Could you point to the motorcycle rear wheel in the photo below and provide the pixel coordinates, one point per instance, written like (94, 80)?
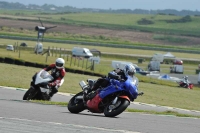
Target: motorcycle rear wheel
(123, 104)
(76, 105)
(30, 94)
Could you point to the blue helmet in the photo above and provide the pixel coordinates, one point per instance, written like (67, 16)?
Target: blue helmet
(129, 70)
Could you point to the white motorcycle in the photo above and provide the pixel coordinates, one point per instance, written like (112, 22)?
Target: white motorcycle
(39, 89)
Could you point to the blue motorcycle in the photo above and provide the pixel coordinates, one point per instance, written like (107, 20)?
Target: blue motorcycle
(111, 100)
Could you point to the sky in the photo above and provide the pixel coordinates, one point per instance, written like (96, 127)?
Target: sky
(120, 4)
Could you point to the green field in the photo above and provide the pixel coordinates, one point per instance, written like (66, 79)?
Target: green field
(116, 21)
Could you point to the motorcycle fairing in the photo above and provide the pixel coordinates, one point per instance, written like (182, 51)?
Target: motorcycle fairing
(125, 97)
(43, 76)
(116, 86)
(93, 104)
(109, 90)
(44, 90)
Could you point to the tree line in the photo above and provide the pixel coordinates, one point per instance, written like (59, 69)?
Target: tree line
(69, 9)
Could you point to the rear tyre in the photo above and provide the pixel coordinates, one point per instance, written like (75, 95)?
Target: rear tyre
(117, 109)
(30, 94)
(76, 105)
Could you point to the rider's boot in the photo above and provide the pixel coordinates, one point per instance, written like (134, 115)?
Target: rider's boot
(53, 91)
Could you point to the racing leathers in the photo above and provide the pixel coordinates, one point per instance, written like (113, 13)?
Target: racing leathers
(102, 82)
(58, 75)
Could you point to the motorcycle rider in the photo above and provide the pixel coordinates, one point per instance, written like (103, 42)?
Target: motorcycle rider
(118, 74)
(186, 81)
(57, 72)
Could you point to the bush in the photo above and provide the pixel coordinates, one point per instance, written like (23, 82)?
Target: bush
(145, 21)
(9, 60)
(182, 20)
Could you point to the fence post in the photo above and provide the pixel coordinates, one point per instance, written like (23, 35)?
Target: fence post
(75, 61)
(86, 63)
(47, 54)
(67, 57)
(14, 47)
(92, 66)
(78, 61)
(52, 50)
(66, 54)
(17, 47)
(19, 52)
(56, 52)
(60, 52)
(83, 63)
(71, 61)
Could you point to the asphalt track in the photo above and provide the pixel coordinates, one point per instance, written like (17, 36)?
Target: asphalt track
(18, 116)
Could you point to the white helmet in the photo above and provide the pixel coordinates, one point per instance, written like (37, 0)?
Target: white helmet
(129, 70)
(60, 62)
(185, 77)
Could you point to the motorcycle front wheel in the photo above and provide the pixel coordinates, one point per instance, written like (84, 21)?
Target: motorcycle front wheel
(112, 110)
(76, 105)
(30, 94)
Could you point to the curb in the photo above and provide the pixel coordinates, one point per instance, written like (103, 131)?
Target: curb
(136, 103)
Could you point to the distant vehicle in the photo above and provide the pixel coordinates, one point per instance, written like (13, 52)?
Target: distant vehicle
(141, 71)
(81, 52)
(177, 69)
(154, 66)
(10, 47)
(23, 44)
(121, 64)
(39, 48)
(158, 57)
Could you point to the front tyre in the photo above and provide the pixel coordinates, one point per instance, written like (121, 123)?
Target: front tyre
(30, 94)
(116, 109)
(76, 105)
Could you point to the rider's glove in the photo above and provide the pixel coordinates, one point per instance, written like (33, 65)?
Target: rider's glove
(51, 84)
(118, 77)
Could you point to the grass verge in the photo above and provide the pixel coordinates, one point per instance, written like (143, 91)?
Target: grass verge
(173, 113)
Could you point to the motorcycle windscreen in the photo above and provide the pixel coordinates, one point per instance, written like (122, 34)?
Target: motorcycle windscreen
(131, 86)
(43, 76)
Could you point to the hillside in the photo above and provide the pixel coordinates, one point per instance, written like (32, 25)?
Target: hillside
(133, 36)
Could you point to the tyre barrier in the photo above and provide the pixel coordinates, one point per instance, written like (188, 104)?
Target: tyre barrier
(38, 65)
(9, 60)
(19, 62)
(1, 59)
(31, 64)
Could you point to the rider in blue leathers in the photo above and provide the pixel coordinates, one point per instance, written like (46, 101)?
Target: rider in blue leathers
(117, 74)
